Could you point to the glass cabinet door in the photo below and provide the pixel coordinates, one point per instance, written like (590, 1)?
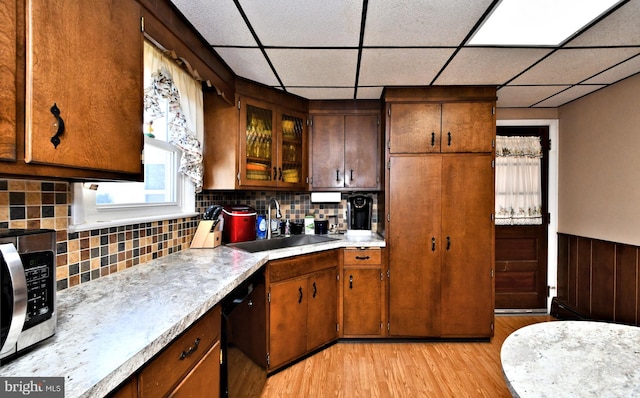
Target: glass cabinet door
(291, 144)
(260, 168)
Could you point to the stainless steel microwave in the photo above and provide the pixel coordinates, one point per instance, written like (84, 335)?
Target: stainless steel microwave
(28, 291)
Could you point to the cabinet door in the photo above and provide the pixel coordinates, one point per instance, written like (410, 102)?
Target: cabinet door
(257, 144)
(362, 152)
(467, 230)
(322, 317)
(292, 144)
(204, 378)
(468, 127)
(362, 301)
(8, 80)
(85, 57)
(415, 245)
(414, 128)
(287, 320)
(327, 157)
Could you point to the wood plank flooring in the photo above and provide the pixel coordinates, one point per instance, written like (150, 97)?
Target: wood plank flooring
(402, 369)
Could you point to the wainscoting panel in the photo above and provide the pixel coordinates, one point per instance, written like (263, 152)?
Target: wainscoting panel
(598, 280)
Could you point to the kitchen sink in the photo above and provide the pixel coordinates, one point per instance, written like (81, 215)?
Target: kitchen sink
(279, 243)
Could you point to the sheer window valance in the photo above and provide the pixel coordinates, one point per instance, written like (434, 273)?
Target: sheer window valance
(518, 181)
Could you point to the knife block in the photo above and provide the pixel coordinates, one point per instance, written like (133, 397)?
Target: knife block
(204, 237)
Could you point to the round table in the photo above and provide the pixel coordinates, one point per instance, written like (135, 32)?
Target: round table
(573, 359)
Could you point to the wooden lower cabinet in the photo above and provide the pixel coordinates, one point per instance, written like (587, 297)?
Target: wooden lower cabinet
(363, 283)
(188, 367)
(302, 305)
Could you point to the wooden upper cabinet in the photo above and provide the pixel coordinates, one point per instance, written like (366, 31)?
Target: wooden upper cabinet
(346, 145)
(85, 59)
(414, 128)
(468, 127)
(8, 64)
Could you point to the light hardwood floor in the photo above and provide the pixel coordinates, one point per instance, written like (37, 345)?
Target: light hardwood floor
(402, 369)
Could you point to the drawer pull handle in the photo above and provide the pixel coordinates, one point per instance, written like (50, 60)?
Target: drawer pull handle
(362, 257)
(191, 349)
(299, 295)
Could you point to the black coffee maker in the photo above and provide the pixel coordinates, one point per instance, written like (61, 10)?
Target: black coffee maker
(359, 212)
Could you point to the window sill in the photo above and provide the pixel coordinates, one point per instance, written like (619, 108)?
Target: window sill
(118, 223)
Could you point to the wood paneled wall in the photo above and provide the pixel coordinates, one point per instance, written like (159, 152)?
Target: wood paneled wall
(599, 279)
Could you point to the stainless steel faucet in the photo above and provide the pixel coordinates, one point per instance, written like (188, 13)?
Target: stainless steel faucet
(278, 215)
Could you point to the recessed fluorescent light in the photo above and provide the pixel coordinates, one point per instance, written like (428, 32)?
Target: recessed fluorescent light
(538, 22)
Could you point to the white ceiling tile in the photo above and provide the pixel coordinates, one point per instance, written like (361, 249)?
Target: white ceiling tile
(617, 73)
(219, 22)
(401, 67)
(421, 22)
(620, 28)
(248, 63)
(369, 92)
(323, 93)
(488, 65)
(305, 23)
(315, 67)
(568, 95)
(525, 96)
(573, 66)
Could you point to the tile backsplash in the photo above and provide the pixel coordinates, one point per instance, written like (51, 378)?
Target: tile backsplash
(88, 255)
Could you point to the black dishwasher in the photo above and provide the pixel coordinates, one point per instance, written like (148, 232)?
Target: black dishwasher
(244, 355)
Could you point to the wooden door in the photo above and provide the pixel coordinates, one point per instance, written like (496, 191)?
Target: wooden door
(287, 320)
(327, 157)
(414, 245)
(414, 128)
(521, 250)
(322, 315)
(468, 127)
(85, 57)
(204, 379)
(467, 299)
(8, 62)
(362, 301)
(362, 152)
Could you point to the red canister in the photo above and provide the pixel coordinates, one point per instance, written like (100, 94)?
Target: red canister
(239, 223)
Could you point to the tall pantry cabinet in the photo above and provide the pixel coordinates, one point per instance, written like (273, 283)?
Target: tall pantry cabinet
(440, 203)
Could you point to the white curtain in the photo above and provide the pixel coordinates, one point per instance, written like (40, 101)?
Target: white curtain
(518, 181)
(164, 78)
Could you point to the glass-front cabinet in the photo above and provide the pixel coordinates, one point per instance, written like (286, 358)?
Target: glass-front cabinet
(272, 146)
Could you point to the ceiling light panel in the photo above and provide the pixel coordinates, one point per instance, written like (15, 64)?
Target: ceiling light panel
(494, 66)
(219, 22)
(575, 65)
(568, 96)
(621, 28)
(248, 63)
(401, 67)
(325, 23)
(421, 22)
(315, 67)
(538, 22)
(525, 96)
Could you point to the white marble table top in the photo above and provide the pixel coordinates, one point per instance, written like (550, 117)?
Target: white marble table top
(573, 359)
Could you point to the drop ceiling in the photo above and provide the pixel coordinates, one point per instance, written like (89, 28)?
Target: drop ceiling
(352, 49)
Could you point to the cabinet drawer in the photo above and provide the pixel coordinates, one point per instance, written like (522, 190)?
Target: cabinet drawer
(174, 362)
(362, 256)
(302, 265)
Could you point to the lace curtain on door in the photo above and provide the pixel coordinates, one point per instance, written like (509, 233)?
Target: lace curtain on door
(169, 81)
(518, 181)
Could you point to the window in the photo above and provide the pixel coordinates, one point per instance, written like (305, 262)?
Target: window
(172, 156)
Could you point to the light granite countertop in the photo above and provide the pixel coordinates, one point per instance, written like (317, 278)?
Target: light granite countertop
(108, 328)
(573, 359)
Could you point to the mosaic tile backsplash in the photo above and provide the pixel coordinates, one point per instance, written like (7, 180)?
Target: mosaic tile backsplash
(88, 255)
